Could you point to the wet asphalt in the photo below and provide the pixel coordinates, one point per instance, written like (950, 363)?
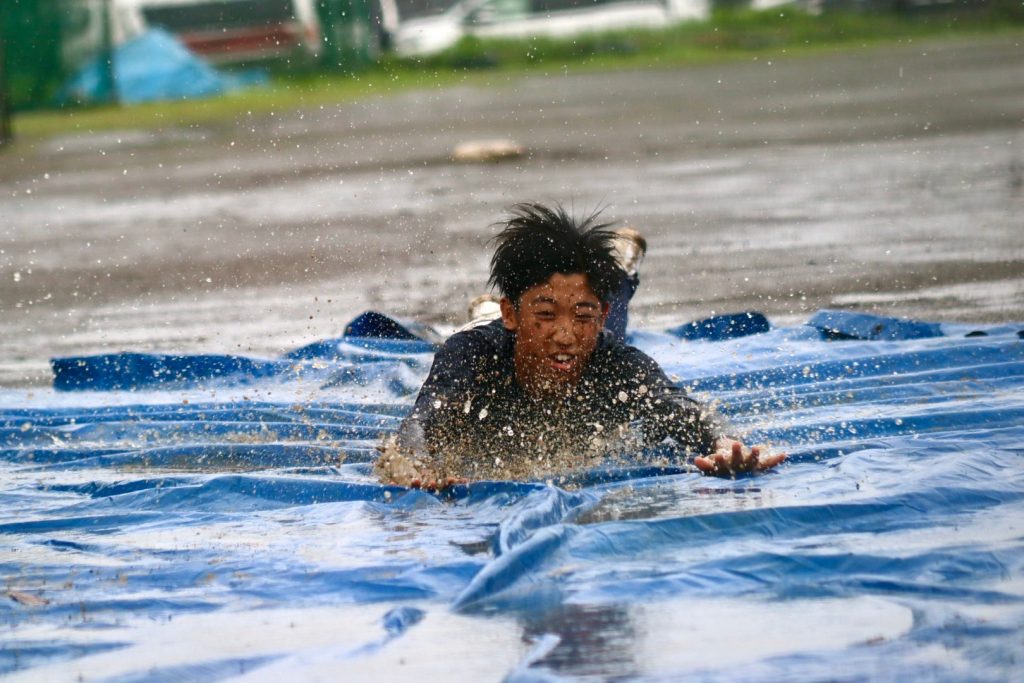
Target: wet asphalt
(884, 179)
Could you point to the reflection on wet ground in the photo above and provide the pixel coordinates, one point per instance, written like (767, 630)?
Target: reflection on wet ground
(677, 499)
(603, 642)
(592, 640)
(888, 179)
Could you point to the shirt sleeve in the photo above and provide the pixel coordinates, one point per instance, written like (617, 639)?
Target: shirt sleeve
(665, 410)
(439, 405)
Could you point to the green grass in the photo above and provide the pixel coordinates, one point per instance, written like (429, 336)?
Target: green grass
(282, 95)
(727, 36)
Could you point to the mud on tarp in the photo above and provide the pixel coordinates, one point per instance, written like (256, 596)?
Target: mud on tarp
(239, 534)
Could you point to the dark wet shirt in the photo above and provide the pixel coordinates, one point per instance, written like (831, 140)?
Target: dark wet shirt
(475, 420)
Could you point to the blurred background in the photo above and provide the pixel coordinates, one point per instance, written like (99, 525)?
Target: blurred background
(48, 43)
(248, 175)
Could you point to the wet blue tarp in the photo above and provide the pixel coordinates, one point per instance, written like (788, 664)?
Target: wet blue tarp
(228, 527)
(154, 66)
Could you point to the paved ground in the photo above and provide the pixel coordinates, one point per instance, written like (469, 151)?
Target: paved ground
(889, 180)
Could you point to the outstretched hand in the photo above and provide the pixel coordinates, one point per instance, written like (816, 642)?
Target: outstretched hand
(436, 484)
(731, 457)
(395, 466)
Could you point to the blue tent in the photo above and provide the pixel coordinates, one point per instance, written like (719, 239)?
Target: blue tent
(153, 66)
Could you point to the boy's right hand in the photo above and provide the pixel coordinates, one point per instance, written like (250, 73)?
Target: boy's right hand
(437, 484)
(397, 466)
(403, 468)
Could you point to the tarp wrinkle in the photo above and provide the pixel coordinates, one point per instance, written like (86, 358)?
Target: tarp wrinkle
(150, 498)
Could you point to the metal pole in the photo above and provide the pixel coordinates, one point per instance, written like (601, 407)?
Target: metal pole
(107, 52)
(5, 101)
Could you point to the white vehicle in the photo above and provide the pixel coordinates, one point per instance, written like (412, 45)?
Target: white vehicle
(228, 30)
(218, 30)
(526, 18)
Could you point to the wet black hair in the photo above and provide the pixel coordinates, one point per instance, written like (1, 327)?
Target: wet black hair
(537, 241)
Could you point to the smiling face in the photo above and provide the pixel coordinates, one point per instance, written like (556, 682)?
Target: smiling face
(557, 324)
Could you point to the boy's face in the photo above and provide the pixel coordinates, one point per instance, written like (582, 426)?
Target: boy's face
(557, 325)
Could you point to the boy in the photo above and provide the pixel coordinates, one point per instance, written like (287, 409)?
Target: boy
(546, 389)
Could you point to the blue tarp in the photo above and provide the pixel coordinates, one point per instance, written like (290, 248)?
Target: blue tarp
(153, 66)
(226, 525)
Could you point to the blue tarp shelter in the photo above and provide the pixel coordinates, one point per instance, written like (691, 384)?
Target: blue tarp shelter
(152, 66)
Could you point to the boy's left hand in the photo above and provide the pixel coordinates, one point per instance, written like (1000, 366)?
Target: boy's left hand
(731, 457)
